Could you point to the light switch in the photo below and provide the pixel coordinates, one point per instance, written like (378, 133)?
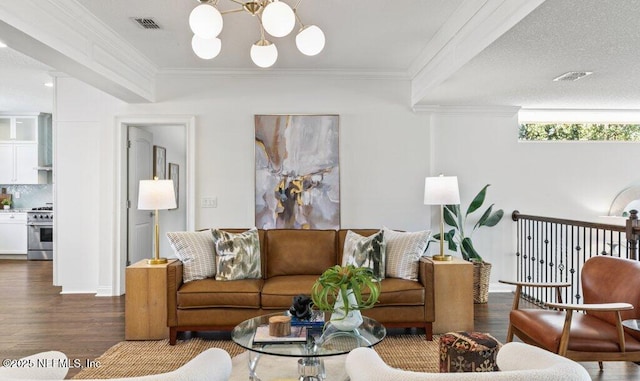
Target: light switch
(209, 202)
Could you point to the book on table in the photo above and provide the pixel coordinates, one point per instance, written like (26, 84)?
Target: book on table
(298, 335)
(316, 320)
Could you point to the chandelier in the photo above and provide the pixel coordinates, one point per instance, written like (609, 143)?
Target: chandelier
(275, 17)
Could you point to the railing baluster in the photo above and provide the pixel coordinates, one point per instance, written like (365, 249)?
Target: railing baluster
(554, 250)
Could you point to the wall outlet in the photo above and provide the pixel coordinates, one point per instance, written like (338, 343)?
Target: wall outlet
(209, 202)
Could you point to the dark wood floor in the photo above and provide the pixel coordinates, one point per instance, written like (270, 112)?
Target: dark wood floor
(35, 317)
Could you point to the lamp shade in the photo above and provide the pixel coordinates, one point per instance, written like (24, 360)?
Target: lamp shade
(310, 40)
(441, 190)
(156, 194)
(263, 53)
(206, 48)
(205, 21)
(278, 19)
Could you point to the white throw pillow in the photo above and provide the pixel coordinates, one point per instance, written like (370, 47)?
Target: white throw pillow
(363, 251)
(404, 250)
(197, 253)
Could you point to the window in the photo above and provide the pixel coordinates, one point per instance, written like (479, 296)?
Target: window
(579, 131)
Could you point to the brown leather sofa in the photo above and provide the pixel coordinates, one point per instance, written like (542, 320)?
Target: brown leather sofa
(292, 260)
(611, 289)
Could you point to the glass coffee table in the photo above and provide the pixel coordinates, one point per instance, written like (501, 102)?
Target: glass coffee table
(320, 342)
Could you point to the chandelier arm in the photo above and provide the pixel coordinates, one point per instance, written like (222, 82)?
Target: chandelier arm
(297, 5)
(298, 19)
(232, 11)
(259, 17)
(237, 2)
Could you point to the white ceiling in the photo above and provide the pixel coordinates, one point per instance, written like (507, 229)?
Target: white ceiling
(384, 38)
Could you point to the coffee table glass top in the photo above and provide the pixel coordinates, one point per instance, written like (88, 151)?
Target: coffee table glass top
(319, 342)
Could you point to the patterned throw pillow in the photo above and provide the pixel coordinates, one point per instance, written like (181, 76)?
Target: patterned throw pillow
(195, 250)
(237, 254)
(365, 252)
(404, 251)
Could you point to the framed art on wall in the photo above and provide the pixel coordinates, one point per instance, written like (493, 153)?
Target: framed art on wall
(174, 174)
(160, 162)
(297, 172)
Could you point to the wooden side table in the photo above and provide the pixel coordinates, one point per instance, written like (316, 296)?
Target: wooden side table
(145, 313)
(453, 295)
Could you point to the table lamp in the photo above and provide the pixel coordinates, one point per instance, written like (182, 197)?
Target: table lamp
(156, 195)
(441, 190)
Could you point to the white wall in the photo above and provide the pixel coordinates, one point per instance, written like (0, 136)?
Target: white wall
(573, 180)
(384, 150)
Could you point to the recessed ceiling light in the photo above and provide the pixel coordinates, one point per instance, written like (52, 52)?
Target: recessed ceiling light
(48, 84)
(2, 45)
(573, 75)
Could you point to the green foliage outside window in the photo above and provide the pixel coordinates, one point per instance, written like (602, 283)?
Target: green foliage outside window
(579, 131)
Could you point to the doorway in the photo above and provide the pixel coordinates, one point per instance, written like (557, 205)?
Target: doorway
(138, 136)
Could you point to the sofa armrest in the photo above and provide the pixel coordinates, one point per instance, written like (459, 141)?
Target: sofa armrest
(174, 281)
(425, 277)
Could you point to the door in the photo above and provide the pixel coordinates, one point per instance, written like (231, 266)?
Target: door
(140, 222)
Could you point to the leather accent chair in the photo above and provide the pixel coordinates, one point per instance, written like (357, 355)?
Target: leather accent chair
(591, 331)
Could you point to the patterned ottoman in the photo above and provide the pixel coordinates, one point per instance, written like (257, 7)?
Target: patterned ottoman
(468, 352)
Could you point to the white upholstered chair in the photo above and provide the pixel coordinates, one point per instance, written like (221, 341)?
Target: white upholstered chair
(211, 365)
(517, 362)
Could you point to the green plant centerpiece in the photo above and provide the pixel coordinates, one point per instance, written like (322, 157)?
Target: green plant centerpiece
(356, 285)
(461, 237)
(6, 203)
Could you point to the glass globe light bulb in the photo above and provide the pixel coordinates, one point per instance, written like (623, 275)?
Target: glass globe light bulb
(278, 19)
(264, 53)
(310, 40)
(206, 48)
(205, 21)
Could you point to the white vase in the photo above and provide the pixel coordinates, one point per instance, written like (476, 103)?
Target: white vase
(6, 206)
(353, 318)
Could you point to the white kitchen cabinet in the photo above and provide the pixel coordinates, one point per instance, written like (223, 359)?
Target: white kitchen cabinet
(25, 149)
(19, 163)
(13, 233)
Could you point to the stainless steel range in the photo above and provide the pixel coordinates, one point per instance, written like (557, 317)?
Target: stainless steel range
(40, 233)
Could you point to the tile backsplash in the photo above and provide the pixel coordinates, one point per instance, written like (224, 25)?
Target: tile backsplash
(30, 195)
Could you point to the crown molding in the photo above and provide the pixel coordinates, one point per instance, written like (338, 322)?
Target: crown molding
(495, 111)
(281, 73)
(65, 35)
(557, 115)
(472, 27)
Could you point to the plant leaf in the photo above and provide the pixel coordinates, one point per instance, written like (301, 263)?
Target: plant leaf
(484, 217)
(449, 216)
(478, 200)
(472, 254)
(494, 218)
(448, 236)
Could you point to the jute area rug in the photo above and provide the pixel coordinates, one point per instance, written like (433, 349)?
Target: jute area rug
(138, 358)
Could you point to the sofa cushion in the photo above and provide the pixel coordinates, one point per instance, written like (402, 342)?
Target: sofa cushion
(404, 250)
(400, 292)
(300, 252)
(197, 253)
(208, 293)
(278, 292)
(237, 254)
(365, 252)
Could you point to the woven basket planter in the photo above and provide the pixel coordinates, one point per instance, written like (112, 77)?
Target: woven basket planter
(481, 275)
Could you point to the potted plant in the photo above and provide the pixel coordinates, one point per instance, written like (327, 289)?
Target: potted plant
(6, 203)
(340, 283)
(461, 237)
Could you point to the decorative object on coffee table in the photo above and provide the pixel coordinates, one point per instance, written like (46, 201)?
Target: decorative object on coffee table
(297, 172)
(301, 307)
(441, 191)
(460, 237)
(468, 352)
(345, 283)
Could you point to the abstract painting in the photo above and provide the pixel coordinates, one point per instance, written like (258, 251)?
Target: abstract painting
(297, 172)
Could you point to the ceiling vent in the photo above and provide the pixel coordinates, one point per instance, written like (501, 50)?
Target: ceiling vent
(146, 22)
(573, 75)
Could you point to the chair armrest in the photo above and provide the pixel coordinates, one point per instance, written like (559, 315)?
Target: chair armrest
(599, 307)
(519, 285)
(602, 307)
